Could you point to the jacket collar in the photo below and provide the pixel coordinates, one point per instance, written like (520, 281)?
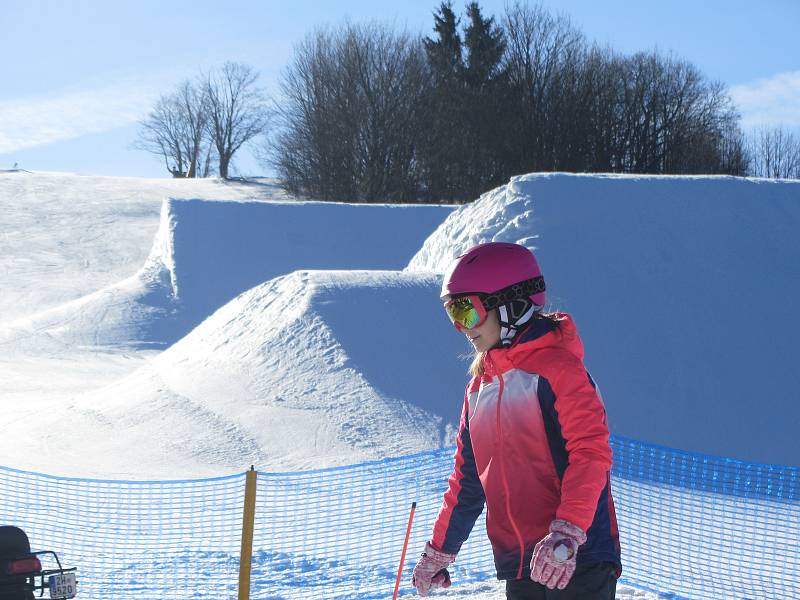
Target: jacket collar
(541, 334)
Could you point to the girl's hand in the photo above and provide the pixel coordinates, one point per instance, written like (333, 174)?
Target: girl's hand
(553, 562)
(431, 570)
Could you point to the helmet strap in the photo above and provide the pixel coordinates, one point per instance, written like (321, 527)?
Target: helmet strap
(523, 289)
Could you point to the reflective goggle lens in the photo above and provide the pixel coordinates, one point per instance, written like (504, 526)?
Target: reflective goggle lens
(464, 313)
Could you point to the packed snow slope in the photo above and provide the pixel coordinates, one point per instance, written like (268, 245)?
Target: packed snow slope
(81, 393)
(685, 291)
(206, 253)
(682, 289)
(308, 370)
(65, 236)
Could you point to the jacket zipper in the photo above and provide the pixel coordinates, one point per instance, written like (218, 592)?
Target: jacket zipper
(504, 478)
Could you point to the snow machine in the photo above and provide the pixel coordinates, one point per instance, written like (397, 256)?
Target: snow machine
(21, 574)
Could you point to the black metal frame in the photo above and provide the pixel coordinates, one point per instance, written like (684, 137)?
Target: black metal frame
(48, 572)
(26, 585)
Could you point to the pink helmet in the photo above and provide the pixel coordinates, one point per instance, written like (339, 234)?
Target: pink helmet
(492, 267)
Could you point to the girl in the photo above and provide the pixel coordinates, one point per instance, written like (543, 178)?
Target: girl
(532, 443)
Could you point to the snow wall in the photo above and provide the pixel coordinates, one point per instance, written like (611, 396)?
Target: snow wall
(688, 352)
(684, 290)
(206, 253)
(337, 533)
(65, 236)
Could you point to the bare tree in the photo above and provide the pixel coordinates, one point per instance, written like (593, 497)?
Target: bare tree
(161, 133)
(675, 120)
(537, 46)
(735, 158)
(583, 108)
(176, 130)
(237, 110)
(192, 104)
(598, 116)
(775, 153)
(350, 115)
(314, 150)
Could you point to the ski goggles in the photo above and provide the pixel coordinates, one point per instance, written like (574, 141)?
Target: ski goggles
(470, 311)
(466, 312)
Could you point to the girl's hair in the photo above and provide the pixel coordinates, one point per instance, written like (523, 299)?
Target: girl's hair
(476, 368)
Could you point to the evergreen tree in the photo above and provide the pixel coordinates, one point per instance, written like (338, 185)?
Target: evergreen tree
(442, 146)
(485, 46)
(444, 52)
(485, 104)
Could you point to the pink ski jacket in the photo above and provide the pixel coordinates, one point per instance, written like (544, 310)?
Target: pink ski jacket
(532, 446)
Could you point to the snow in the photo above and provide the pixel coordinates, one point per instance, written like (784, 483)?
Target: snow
(65, 236)
(211, 394)
(684, 290)
(282, 357)
(175, 328)
(493, 590)
(203, 254)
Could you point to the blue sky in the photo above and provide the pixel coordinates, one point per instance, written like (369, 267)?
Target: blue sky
(77, 75)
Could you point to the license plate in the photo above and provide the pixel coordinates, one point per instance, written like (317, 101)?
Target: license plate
(62, 585)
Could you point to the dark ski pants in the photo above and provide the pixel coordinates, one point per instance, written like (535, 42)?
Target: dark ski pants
(595, 581)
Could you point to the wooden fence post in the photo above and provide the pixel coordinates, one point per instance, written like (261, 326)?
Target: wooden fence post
(248, 526)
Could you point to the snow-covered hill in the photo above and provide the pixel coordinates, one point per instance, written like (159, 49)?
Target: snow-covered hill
(308, 370)
(157, 328)
(205, 253)
(684, 289)
(95, 350)
(64, 236)
(247, 337)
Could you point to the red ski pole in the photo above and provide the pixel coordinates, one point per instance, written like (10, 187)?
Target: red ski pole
(405, 547)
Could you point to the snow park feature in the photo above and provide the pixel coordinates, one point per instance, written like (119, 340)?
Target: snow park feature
(315, 369)
(684, 290)
(279, 376)
(206, 253)
(66, 236)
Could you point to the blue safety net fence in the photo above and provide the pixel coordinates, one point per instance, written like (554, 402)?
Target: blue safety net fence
(691, 526)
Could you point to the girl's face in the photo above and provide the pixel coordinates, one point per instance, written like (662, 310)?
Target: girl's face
(486, 335)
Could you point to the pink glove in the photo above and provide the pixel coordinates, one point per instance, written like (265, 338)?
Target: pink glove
(553, 562)
(431, 570)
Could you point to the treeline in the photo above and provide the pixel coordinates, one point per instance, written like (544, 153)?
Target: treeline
(371, 114)
(368, 113)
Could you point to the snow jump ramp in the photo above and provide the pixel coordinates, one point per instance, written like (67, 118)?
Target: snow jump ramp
(207, 252)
